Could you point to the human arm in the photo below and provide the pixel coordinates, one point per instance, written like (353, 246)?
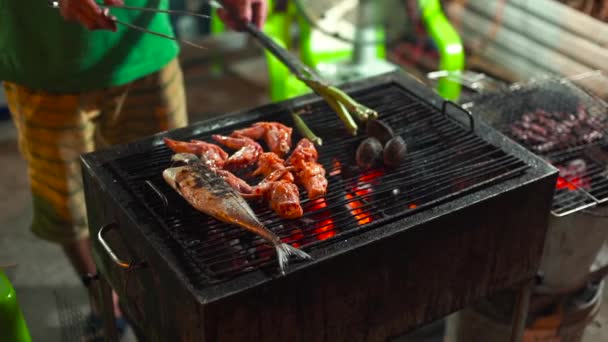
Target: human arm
(89, 14)
(243, 11)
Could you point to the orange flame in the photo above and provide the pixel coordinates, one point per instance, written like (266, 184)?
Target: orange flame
(371, 176)
(337, 168)
(294, 238)
(573, 184)
(359, 214)
(326, 228)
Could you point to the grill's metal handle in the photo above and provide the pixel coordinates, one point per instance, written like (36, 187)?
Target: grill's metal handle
(599, 274)
(444, 110)
(104, 244)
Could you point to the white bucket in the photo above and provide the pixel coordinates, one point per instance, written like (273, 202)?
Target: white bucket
(572, 245)
(470, 325)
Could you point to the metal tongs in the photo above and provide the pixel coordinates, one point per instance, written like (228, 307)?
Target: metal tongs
(338, 100)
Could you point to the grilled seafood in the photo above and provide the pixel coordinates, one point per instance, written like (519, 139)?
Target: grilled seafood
(276, 135)
(309, 173)
(247, 154)
(209, 193)
(313, 179)
(305, 152)
(270, 162)
(282, 196)
(235, 182)
(212, 154)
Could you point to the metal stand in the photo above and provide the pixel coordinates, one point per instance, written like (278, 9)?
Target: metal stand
(520, 312)
(107, 307)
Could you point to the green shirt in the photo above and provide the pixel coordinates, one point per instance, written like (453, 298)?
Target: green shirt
(42, 51)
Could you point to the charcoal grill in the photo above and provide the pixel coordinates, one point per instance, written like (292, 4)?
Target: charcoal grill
(572, 134)
(463, 217)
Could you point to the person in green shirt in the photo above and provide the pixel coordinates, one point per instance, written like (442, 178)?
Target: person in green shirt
(75, 81)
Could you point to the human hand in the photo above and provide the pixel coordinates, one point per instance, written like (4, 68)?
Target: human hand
(89, 14)
(236, 11)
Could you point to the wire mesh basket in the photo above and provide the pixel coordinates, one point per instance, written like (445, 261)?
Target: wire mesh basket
(564, 120)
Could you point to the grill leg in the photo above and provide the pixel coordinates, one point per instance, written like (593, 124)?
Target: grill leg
(520, 312)
(107, 307)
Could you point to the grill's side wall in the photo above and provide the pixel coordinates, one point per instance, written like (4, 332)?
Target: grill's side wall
(368, 294)
(153, 295)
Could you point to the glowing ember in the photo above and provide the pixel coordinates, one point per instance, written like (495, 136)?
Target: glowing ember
(371, 176)
(413, 206)
(295, 236)
(318, 204)
(337, 168)
(361, 216)
(363, 188)
(563, 184)
(325, 230)
(571, 176)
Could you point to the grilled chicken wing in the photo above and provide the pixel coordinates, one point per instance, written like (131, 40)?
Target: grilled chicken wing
(309, 173)
(276, 135)
(270, 162)
(282, 196)
(247, 154)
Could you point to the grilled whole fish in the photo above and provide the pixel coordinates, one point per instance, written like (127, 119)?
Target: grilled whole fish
(209, 193)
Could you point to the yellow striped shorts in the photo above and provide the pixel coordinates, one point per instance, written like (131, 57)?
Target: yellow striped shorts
(55, 129)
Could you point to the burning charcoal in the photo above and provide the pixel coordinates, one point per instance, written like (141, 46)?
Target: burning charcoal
(369, 153)
(379, 130)
(395, 152)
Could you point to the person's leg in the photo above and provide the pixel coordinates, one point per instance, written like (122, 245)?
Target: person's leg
(53, 130)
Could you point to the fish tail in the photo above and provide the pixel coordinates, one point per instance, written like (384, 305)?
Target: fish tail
(284, 251)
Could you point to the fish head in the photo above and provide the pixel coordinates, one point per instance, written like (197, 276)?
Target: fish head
(169, 175)
(184, 159)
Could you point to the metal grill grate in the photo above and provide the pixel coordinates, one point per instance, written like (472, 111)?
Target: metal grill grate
(445, 160)
(566, 124)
